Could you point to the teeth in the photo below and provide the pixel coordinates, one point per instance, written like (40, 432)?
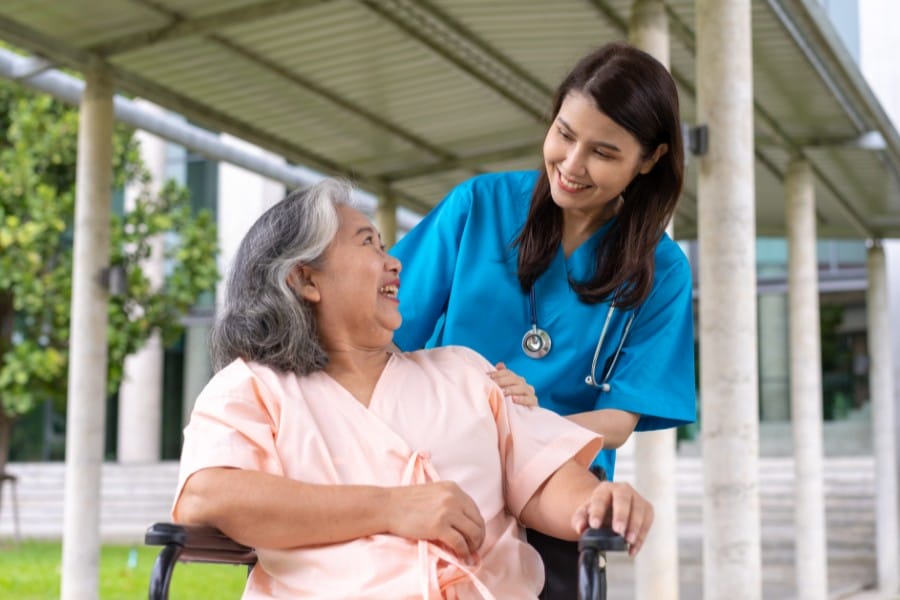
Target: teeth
(571, 184)
(390, 290)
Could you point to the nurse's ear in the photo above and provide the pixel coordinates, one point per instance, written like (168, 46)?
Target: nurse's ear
(650, 162)
(301, 280)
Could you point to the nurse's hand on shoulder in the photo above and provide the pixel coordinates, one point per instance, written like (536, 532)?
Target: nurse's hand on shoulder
(514, 386)
(619, 506)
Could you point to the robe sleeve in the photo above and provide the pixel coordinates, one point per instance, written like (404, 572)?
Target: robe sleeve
(233, 424)
(533, 442)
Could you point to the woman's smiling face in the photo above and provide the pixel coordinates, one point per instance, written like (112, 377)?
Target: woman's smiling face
(355, 289)
(590, 159)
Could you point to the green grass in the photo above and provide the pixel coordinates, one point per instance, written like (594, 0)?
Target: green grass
(31, 571)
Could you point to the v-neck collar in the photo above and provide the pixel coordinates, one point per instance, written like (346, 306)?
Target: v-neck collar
(375, 390)
(580, 264)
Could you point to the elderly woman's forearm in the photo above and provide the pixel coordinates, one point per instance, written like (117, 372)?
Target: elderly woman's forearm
(263, 510)
(551, 508)
(572, 499)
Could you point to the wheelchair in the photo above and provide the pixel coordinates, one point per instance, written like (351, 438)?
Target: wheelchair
(192, 543)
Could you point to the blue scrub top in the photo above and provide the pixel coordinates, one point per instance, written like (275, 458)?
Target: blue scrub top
(459, 287)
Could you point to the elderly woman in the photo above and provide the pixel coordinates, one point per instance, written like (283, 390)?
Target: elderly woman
(360, 472)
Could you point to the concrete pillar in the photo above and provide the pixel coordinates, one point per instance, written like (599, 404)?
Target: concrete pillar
(881, 388)
(386, 218)
(892, 268)
(656, 567)
(806, 384)
(655, 468)
(197, 368)
(773, 359)
(727, 275)
(140, 395)
(878, 47)
(243, 197)
(648, 28)
(86, 412)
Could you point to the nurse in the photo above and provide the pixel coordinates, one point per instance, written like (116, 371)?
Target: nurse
(566, 274)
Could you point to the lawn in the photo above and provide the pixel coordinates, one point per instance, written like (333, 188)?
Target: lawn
(31, 570)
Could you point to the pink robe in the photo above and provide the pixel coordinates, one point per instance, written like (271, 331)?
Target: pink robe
(434, 415)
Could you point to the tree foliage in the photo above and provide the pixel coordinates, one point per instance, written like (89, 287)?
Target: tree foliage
(37, 197)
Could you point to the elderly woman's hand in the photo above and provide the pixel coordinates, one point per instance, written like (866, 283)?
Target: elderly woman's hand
(440, 512)
(514, 386)
(616, 505)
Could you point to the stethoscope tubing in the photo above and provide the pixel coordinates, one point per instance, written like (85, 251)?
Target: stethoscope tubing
(591, 380)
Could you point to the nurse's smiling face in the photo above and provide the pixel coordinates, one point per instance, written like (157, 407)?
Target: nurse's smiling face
(590, 159)
(355, 289)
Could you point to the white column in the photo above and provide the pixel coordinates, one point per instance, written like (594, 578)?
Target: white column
(773, 359)
(878, 47)
(243, 197)
(882, 390)
(656, 567)
(140, 395)
(86, 413)
(728, 357)
(197, 367)
(806, 384)
(648, 29)
(892, 268)
(386, 217)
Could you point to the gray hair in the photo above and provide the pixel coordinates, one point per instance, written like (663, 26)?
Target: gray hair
(263, 319)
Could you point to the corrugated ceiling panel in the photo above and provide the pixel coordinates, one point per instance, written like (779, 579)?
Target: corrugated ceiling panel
(82, 24)
(789, 88)
(352, 50)
(200, 8)
(213, 74)
(366, 60)
(543, 38)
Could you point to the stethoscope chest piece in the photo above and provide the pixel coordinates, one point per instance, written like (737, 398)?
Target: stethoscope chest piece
(536, 343)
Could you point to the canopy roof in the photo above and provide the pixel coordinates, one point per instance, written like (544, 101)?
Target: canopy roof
(409, 97)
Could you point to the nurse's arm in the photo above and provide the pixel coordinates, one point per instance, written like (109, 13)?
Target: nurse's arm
(613, 424)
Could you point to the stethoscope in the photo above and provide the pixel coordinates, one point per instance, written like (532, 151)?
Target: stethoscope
(536, 343)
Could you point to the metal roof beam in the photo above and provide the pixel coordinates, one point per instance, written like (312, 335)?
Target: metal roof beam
(839, 73)
(686, 35)
(181, 27)
(312, 87)
(47, 47)
(76, 58)
(332, 98)
(452, 42)
(871, 140)
(69, 89)
(523, 75)
(474, 161)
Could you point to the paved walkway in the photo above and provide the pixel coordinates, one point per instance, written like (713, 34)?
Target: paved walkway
(867, 595)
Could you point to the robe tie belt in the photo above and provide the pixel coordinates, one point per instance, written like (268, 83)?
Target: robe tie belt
(418, 471)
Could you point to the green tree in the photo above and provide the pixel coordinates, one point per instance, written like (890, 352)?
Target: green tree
(37, 197)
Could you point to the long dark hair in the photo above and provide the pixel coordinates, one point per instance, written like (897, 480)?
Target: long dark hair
(633, 89)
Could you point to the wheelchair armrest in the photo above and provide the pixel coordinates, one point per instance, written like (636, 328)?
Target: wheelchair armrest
(190, 543)
(592, 548)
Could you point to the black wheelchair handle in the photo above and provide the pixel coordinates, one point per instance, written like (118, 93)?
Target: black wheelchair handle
(602, 540)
